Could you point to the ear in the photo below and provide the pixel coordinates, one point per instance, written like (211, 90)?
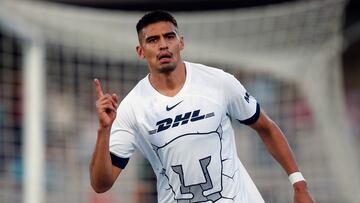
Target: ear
(182, 44)
(140, 52)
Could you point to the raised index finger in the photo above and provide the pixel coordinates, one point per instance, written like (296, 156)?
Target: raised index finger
(99, 92)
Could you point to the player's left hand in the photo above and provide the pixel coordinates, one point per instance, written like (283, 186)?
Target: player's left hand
(301, 193)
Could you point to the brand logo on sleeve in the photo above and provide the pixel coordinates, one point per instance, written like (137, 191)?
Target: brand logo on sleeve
(247, 97)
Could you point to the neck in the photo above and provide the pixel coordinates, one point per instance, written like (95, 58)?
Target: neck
(169, 84)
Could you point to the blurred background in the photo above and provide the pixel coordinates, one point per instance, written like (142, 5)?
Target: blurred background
(299, 58)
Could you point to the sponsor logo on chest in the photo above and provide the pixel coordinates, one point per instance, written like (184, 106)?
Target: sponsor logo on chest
(181, 119)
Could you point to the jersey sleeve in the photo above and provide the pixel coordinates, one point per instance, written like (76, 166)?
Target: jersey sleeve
(240, 104)
(122, 136)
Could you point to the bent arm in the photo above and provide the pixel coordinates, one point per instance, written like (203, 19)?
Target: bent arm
(102, 172)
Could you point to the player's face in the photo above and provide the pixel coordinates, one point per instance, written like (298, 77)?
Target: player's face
(160, 45)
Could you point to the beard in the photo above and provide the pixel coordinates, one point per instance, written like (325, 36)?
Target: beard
(167, 68)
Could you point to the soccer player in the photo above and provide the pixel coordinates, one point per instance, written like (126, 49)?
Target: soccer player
(179, 116)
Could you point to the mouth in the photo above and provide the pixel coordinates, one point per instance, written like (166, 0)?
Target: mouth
(164, 57)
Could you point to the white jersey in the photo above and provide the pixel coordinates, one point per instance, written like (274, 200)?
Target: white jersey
(188, 139)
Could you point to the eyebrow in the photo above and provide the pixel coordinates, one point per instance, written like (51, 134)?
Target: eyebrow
(170, 33)
(157, 36)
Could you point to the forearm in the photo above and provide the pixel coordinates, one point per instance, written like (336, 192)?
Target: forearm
(278, 147)
(101, 166)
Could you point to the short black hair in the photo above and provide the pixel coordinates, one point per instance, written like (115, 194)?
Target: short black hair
(154, 17)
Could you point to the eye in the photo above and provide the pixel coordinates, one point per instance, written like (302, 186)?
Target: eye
(151, 40)
(171, 36)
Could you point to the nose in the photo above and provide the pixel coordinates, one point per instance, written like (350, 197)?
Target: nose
(163, 43)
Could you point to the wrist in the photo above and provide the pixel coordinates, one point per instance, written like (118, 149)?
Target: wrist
(104, 125)
(300, 186)
(296, 177)
(104, 130)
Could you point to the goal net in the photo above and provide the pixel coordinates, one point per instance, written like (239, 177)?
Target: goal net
(286, 55)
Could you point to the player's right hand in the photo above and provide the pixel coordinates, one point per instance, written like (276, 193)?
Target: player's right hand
(106, 106)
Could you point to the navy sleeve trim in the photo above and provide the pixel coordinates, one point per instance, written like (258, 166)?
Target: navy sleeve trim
(118, 161)
(253, 118)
